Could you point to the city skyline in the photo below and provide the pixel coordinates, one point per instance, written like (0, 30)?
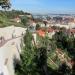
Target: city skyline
(45, 6)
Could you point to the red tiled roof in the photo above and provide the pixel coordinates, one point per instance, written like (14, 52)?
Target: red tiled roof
(72, 30)
(41, 33)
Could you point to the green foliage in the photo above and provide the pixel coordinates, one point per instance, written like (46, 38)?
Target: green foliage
(64, 69)
(46, 42)
(24, 20)
(65, 42)
(37, 26)
(38, 60)
(28, 39)
(13, 13)
(42, 61)
(5, 4)
(7, 18)
(50, 47)
(28, 64)
(60, 38)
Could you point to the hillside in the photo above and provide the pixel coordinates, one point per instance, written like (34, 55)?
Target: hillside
(7, 18)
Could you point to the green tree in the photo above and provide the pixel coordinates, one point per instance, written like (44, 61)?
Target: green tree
(5, 4)
(24, 20)
(64, 69)
(73, 66)
(61, 39)
(37, 26)
(28, 65)
(28, 39)
(49, 44)
(42, 61)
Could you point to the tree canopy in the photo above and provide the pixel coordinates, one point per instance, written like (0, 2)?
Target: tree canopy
(5, 4)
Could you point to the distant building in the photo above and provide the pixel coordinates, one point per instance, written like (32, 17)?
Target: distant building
(58, 19)
(16, 19)
(50, 32)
